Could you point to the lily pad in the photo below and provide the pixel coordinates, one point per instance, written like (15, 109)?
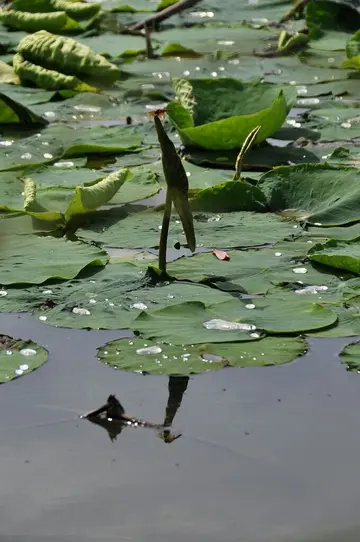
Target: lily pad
(318, 194)
(236, 109)
(191, 323)
(139, 355)
(338, 254)
(11, 112)
(18, 357)
(253, 271)
(32, 259)
(124, 230)
(350, 356)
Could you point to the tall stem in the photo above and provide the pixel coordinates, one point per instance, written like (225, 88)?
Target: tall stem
(164, 233)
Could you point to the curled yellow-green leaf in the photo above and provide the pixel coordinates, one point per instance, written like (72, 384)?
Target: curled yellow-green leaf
(76, 9)
(29, 194)
(66, 56)
(47, 79)
(57, 21)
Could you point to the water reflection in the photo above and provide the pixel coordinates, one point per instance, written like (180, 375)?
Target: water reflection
(113, 418)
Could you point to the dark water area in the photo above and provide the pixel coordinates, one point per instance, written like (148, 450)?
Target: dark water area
(266, 454)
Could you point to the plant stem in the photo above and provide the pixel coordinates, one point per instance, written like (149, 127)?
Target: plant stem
(164, 233)
(165, 13)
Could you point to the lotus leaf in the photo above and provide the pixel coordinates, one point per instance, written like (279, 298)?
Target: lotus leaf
(18, 357)
(236, 109)
(58, 21)
(139, 355)
(66, 56)
(77, 9)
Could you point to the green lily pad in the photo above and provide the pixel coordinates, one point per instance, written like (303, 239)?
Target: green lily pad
(353, 52)
(350, 356)
(230, 196)
(338, 254)
(18, 357)
(254, 271)
(30, 259)
(220, 113)
(58, 142)
(139, 355)
(191, 323)
(224, 230)
(316, 193)
(11, 112)
(283, 315)
(57, 21)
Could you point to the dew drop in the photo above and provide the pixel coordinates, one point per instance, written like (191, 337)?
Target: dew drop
(6, 143)
(48, 156)
(278, 254)
(50, 115)
(19, 372)
(47, 292)
(149, 350)
(87, 108)
(139, 306)
(250, 306)
(3, 293)
(24, 367)
(28, 352)
(312, 290)
(92, 301)
(224, 325)
(300, 270)
(43, 318)
(9, 352)
(81, 311)
(255, 335)
(26, 156)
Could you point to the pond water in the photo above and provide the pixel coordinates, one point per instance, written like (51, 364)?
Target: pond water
(266, 454)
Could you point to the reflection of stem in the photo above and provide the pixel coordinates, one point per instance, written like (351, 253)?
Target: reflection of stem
(177, 387)
(164, 233)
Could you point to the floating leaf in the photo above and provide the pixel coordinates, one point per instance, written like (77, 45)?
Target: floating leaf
(30, 259)
(230, 196)
(350, 356)
(11, 112)
(318, 194)
(18, 357)
(139, 355)
(338, 254)
(224, 230)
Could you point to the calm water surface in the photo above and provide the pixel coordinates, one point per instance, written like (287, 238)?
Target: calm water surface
(267, 454)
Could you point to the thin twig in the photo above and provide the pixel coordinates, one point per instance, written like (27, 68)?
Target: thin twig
(164, 233)
(165, 13)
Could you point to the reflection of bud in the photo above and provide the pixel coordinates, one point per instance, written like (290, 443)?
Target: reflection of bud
(177, 182)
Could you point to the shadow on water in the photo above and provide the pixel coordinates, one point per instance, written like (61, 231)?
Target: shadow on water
(266, 454)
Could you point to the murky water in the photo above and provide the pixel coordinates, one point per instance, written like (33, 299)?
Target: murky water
(266, 454)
